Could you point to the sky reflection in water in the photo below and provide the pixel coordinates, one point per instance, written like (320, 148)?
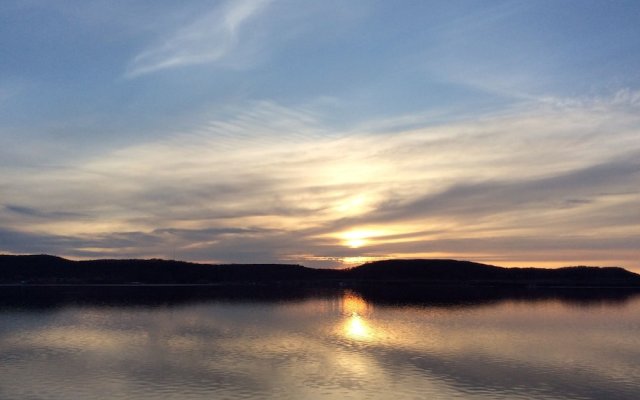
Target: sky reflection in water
(327, 347)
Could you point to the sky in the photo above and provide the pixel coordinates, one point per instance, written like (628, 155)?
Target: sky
(325, 133)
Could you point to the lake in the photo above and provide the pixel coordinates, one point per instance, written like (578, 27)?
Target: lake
(339, 344)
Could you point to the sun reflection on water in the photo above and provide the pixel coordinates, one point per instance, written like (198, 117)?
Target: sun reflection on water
(355, 326)
(353, 303)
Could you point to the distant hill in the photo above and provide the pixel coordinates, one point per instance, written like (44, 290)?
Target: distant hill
(473, 273)
(45, 269)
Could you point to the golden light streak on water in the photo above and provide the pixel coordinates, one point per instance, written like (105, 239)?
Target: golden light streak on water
(356, 326)
(352, 303)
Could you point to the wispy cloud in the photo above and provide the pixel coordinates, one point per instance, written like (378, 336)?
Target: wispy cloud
(208, 39)
(271, 183)
(486, 199)
(36, 213)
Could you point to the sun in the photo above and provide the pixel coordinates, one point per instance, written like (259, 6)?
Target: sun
(356, 239)
(355, 243)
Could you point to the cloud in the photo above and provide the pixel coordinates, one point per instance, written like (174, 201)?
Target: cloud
(36, 213)
(208, 39)
(273, 183)
(15, 241)
(496, 197)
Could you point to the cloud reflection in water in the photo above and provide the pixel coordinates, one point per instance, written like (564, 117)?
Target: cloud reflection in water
(338, 346)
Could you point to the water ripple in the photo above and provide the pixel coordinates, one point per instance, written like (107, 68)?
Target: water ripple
(322, 348)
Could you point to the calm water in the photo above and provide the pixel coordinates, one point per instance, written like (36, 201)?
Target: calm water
(332, 346)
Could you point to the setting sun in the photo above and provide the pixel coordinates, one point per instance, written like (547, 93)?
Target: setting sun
(357, 239)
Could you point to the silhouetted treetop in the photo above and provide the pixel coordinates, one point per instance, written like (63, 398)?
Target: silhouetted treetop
(45, 269)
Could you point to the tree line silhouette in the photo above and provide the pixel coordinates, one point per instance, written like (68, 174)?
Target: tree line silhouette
(46, 269)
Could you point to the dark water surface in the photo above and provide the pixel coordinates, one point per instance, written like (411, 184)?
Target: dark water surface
(344, 344)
